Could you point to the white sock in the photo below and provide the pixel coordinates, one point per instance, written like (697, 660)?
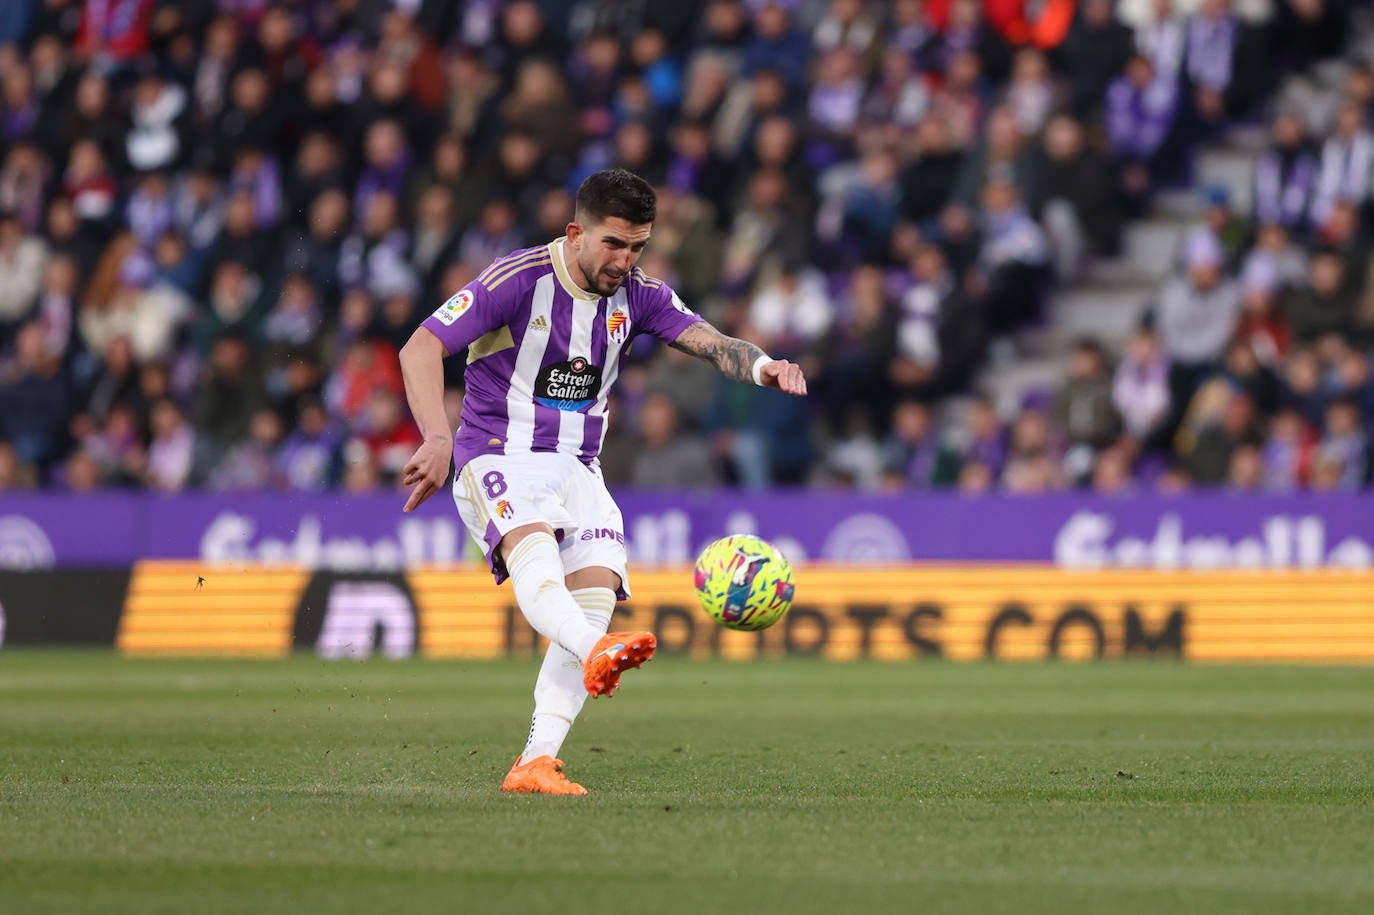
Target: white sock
(559, 692)
(536, 572)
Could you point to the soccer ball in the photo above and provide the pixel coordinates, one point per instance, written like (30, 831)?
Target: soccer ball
(742, 582)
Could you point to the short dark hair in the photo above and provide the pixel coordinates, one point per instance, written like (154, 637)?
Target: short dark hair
(616, 192)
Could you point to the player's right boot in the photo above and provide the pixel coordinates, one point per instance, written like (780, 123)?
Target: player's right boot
(541, 775)
(615, 653)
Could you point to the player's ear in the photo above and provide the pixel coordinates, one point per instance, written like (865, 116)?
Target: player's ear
(574, 233)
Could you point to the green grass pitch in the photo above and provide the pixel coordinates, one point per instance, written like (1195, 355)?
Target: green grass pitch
(782, 786)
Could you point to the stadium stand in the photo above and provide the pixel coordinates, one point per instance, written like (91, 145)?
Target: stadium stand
(1019, 247)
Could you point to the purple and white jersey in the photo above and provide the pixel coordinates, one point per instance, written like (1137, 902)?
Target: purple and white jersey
(543, 353)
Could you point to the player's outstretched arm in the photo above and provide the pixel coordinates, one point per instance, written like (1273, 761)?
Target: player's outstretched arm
(740, 360)
(422, 367)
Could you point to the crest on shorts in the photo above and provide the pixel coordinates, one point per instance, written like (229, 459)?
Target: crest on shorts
(504, 510)
(453, 309)
(618, 325)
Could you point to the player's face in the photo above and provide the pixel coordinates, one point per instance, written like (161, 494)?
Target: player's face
(606, 251)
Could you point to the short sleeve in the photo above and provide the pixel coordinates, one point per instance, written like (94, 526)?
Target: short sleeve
(664, 314)
(468, 314)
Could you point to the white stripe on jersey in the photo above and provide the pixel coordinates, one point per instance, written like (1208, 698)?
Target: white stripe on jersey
(572, 425)
(621, 299)
(520, 397)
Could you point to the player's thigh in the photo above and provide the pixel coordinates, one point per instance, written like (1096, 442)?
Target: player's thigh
(599, 541)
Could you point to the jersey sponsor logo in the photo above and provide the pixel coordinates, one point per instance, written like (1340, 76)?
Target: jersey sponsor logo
(618, 325)
(453, 309)
(570, 386)
(602, 533)
(540, 323)
(504, 510)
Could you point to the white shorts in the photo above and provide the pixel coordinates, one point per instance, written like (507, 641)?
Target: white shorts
(496, 493)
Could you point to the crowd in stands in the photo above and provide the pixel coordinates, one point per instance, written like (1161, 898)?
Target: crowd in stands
(219, 219)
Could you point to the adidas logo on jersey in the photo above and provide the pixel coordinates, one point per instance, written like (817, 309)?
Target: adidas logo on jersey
(540, 324)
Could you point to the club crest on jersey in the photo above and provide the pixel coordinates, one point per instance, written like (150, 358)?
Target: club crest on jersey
(453, 309)
(504, 510)
(618, 325)
(571, 386)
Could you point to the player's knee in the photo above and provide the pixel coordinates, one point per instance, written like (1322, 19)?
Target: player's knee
(515, 536)
(534, 566)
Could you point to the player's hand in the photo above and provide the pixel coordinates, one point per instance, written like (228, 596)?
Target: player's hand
(783, 375)
(427, 469)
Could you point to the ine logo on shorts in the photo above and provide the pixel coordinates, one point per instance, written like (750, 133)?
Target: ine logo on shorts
(570, 386)
(453, 309)
(504, 510)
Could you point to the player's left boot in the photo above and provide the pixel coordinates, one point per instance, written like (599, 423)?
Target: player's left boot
(541, 775)
(615, 653)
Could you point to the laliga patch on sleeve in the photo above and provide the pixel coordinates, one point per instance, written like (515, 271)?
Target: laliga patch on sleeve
(453, 309)
(682, 306)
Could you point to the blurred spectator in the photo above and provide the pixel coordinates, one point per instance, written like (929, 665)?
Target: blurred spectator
(388, 433)
(1346, 164)
(22, 258)
(941, 333)
(776, 45)
(228, 394)
(1325, 305)
(854, 386)
(1094, 52)
(366, 366)
(1342, 455)
(982, 438)
(1074, 199)
(794, 308)
(930, 174)
(306, 459)
(665, 458)
(1013, 259)
(1195, 315)
(1140, 387)
(1231, 231)
(1141, 109)
(1209, 58)
(1246, 470)
(1209, 456)
(172, 450)
(34, 399)
(1031, 93)
(250, 464)
(1286, 175)
(1288, 452)
(1083, 406)
(913, 454)
(1032, 456)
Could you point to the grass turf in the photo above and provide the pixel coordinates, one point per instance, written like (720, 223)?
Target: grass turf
(786, 786)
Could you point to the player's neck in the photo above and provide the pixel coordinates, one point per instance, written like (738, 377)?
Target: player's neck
(573, 268)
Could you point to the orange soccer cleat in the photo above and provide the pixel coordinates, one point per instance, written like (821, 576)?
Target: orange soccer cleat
(615, 653)
(541, 775)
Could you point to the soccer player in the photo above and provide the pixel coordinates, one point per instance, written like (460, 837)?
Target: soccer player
(544, 330)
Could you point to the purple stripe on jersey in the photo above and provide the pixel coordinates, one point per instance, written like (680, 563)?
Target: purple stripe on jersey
(591, 431)
(484, 414)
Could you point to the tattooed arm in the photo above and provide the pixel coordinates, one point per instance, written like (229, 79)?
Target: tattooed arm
(736, 359)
